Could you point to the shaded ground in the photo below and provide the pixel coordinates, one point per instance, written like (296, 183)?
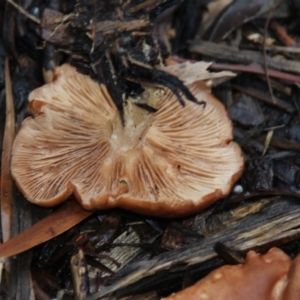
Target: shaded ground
(122, 254)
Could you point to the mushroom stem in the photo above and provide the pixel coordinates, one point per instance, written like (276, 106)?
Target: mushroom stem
(137, 121)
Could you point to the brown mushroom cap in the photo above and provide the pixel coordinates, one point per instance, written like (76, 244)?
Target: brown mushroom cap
(292, 289)
(262, 277)
(169, 163)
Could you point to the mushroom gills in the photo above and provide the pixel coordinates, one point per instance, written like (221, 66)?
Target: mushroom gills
(171, 162)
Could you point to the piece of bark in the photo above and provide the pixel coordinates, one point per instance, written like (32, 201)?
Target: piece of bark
(130, 246)
(20, 283)
(274, 224)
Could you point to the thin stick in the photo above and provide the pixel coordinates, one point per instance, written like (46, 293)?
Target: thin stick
(143, 5)
(265, 52)
(289, 49)
(24, 12)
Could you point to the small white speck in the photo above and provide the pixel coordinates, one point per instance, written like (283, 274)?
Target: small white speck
(238, 189)
(36, 11)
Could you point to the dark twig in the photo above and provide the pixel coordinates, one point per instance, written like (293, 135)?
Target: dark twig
(265, 52)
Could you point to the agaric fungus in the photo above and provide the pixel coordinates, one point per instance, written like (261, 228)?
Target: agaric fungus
(291, 289)
(262, 277)
(169, 163)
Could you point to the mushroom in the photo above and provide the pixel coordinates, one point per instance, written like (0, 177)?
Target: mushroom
(170, 163)
(262, 277)
(292, 288)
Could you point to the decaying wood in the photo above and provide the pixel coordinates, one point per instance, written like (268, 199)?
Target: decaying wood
(233, 54)
(272, 222)
(125, 248)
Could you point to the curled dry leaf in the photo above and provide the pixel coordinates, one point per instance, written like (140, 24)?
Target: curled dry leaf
(59, 221)
(193, 72)
(214, 9)
(169, 163)
(263, 277)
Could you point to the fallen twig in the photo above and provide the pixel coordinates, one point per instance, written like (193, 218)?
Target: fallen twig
(256, 68)
(24, 12)
(233, 54)
(265, 98)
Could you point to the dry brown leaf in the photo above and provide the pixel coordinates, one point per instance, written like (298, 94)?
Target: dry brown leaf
(53, 225)
(191, 72)
(214, 8)
(267, 141)
(8, 139)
